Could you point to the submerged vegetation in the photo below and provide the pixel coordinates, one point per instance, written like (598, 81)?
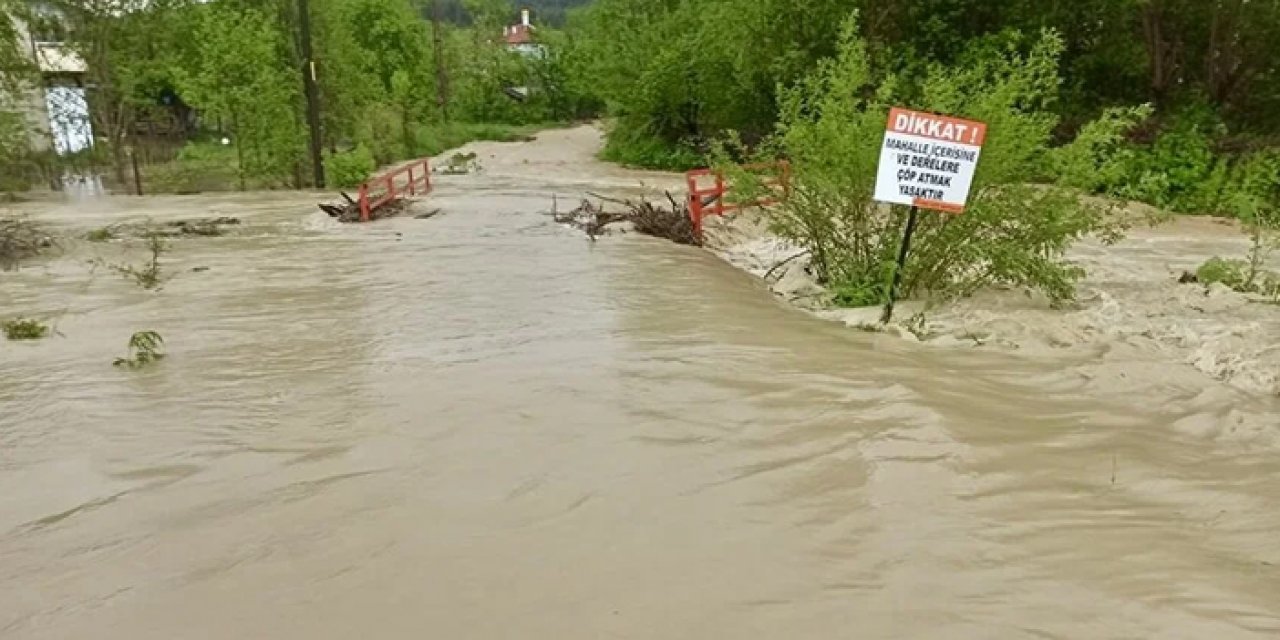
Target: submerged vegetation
(24, 329)
(149, 275)
(145, 347)
(21, 239)
(1254, 188)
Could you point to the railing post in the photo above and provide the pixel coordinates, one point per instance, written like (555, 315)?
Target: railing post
(720, 189)
(413, 189)
(364, 202)
(695, 213)
(391, 186)
(426, 174)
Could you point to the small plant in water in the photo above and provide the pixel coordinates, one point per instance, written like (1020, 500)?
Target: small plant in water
(25, 329)
(149, 275)
(145, 347)
(1253, 195)
(104, 234)
(21, 239)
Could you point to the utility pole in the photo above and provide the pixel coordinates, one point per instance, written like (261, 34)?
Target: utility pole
(312, 91)
(442, 74)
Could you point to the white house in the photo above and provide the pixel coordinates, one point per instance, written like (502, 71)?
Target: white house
(56, 109)
(521, 38)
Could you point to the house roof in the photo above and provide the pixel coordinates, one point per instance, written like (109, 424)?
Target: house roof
(519, 34)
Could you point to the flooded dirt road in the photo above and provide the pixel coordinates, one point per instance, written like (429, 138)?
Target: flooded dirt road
(484, 426)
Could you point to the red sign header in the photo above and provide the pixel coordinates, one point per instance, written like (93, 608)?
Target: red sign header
(943, 128)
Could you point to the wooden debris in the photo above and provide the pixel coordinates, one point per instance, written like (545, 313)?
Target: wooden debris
(645, 217)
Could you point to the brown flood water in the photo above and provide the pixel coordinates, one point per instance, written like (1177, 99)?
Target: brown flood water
(483, 426)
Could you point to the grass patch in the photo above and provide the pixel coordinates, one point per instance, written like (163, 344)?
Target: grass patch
(105, 234)
(433, 140)
(200, 167)
(1240, 276)
(25, 329)
(637, 148)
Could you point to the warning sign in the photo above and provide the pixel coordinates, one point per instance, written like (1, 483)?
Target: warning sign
(928, 160)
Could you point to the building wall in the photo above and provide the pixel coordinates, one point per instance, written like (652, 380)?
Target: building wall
(58, 68)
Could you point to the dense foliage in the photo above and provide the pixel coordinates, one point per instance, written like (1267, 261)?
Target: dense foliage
(831, 127)
(16, 72)
(678, 74)
(390, 82)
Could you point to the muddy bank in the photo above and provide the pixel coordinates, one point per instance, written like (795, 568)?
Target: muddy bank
(1130, 308)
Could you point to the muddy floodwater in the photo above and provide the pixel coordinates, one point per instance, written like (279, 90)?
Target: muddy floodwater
(482, 425)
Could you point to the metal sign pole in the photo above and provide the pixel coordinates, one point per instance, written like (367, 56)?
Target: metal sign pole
(912, 218)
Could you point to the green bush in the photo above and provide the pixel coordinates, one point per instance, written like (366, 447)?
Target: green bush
(832, 126)
(1251, 193)
(434, 140)
(200, 166)
(380, 129)
(145, 347)
(25, 329)
(349, 168)
(634, 146)
(1179, 171)
(1231, 273)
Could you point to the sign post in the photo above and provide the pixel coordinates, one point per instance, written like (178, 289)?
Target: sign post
(927, 162)
(912, 219)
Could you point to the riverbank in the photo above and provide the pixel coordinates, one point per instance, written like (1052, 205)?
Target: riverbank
(1130, 307)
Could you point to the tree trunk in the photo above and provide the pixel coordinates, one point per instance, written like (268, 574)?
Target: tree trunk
(235, 125)
(1225, 64)
(1158, 50)
(119, 162)
(442, 72)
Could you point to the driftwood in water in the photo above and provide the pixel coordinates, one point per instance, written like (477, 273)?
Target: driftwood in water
(645, 217)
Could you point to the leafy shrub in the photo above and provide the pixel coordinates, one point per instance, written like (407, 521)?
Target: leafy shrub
(1251, 193)
(101, 234)
(635, 147)
(349, 168)
(1179, 171)
(832, 126)
(436, 139)
(1231, 273)
(15, 170)
(145, 347)
(25, 329)
(199, 167)
(1100, 159)
(380, 129)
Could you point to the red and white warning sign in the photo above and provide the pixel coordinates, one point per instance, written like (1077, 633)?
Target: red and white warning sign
(928, 160)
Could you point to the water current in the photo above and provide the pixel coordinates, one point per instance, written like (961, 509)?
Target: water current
(482, 425)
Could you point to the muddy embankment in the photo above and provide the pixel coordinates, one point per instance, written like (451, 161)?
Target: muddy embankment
(1131, 308)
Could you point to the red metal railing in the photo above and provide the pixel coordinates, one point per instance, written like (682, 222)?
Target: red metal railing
(704, 201)
(383, 189)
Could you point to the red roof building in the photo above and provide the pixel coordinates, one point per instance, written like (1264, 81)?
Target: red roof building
(520, 34)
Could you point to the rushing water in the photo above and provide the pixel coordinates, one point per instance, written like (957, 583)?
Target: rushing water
(483, 426)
